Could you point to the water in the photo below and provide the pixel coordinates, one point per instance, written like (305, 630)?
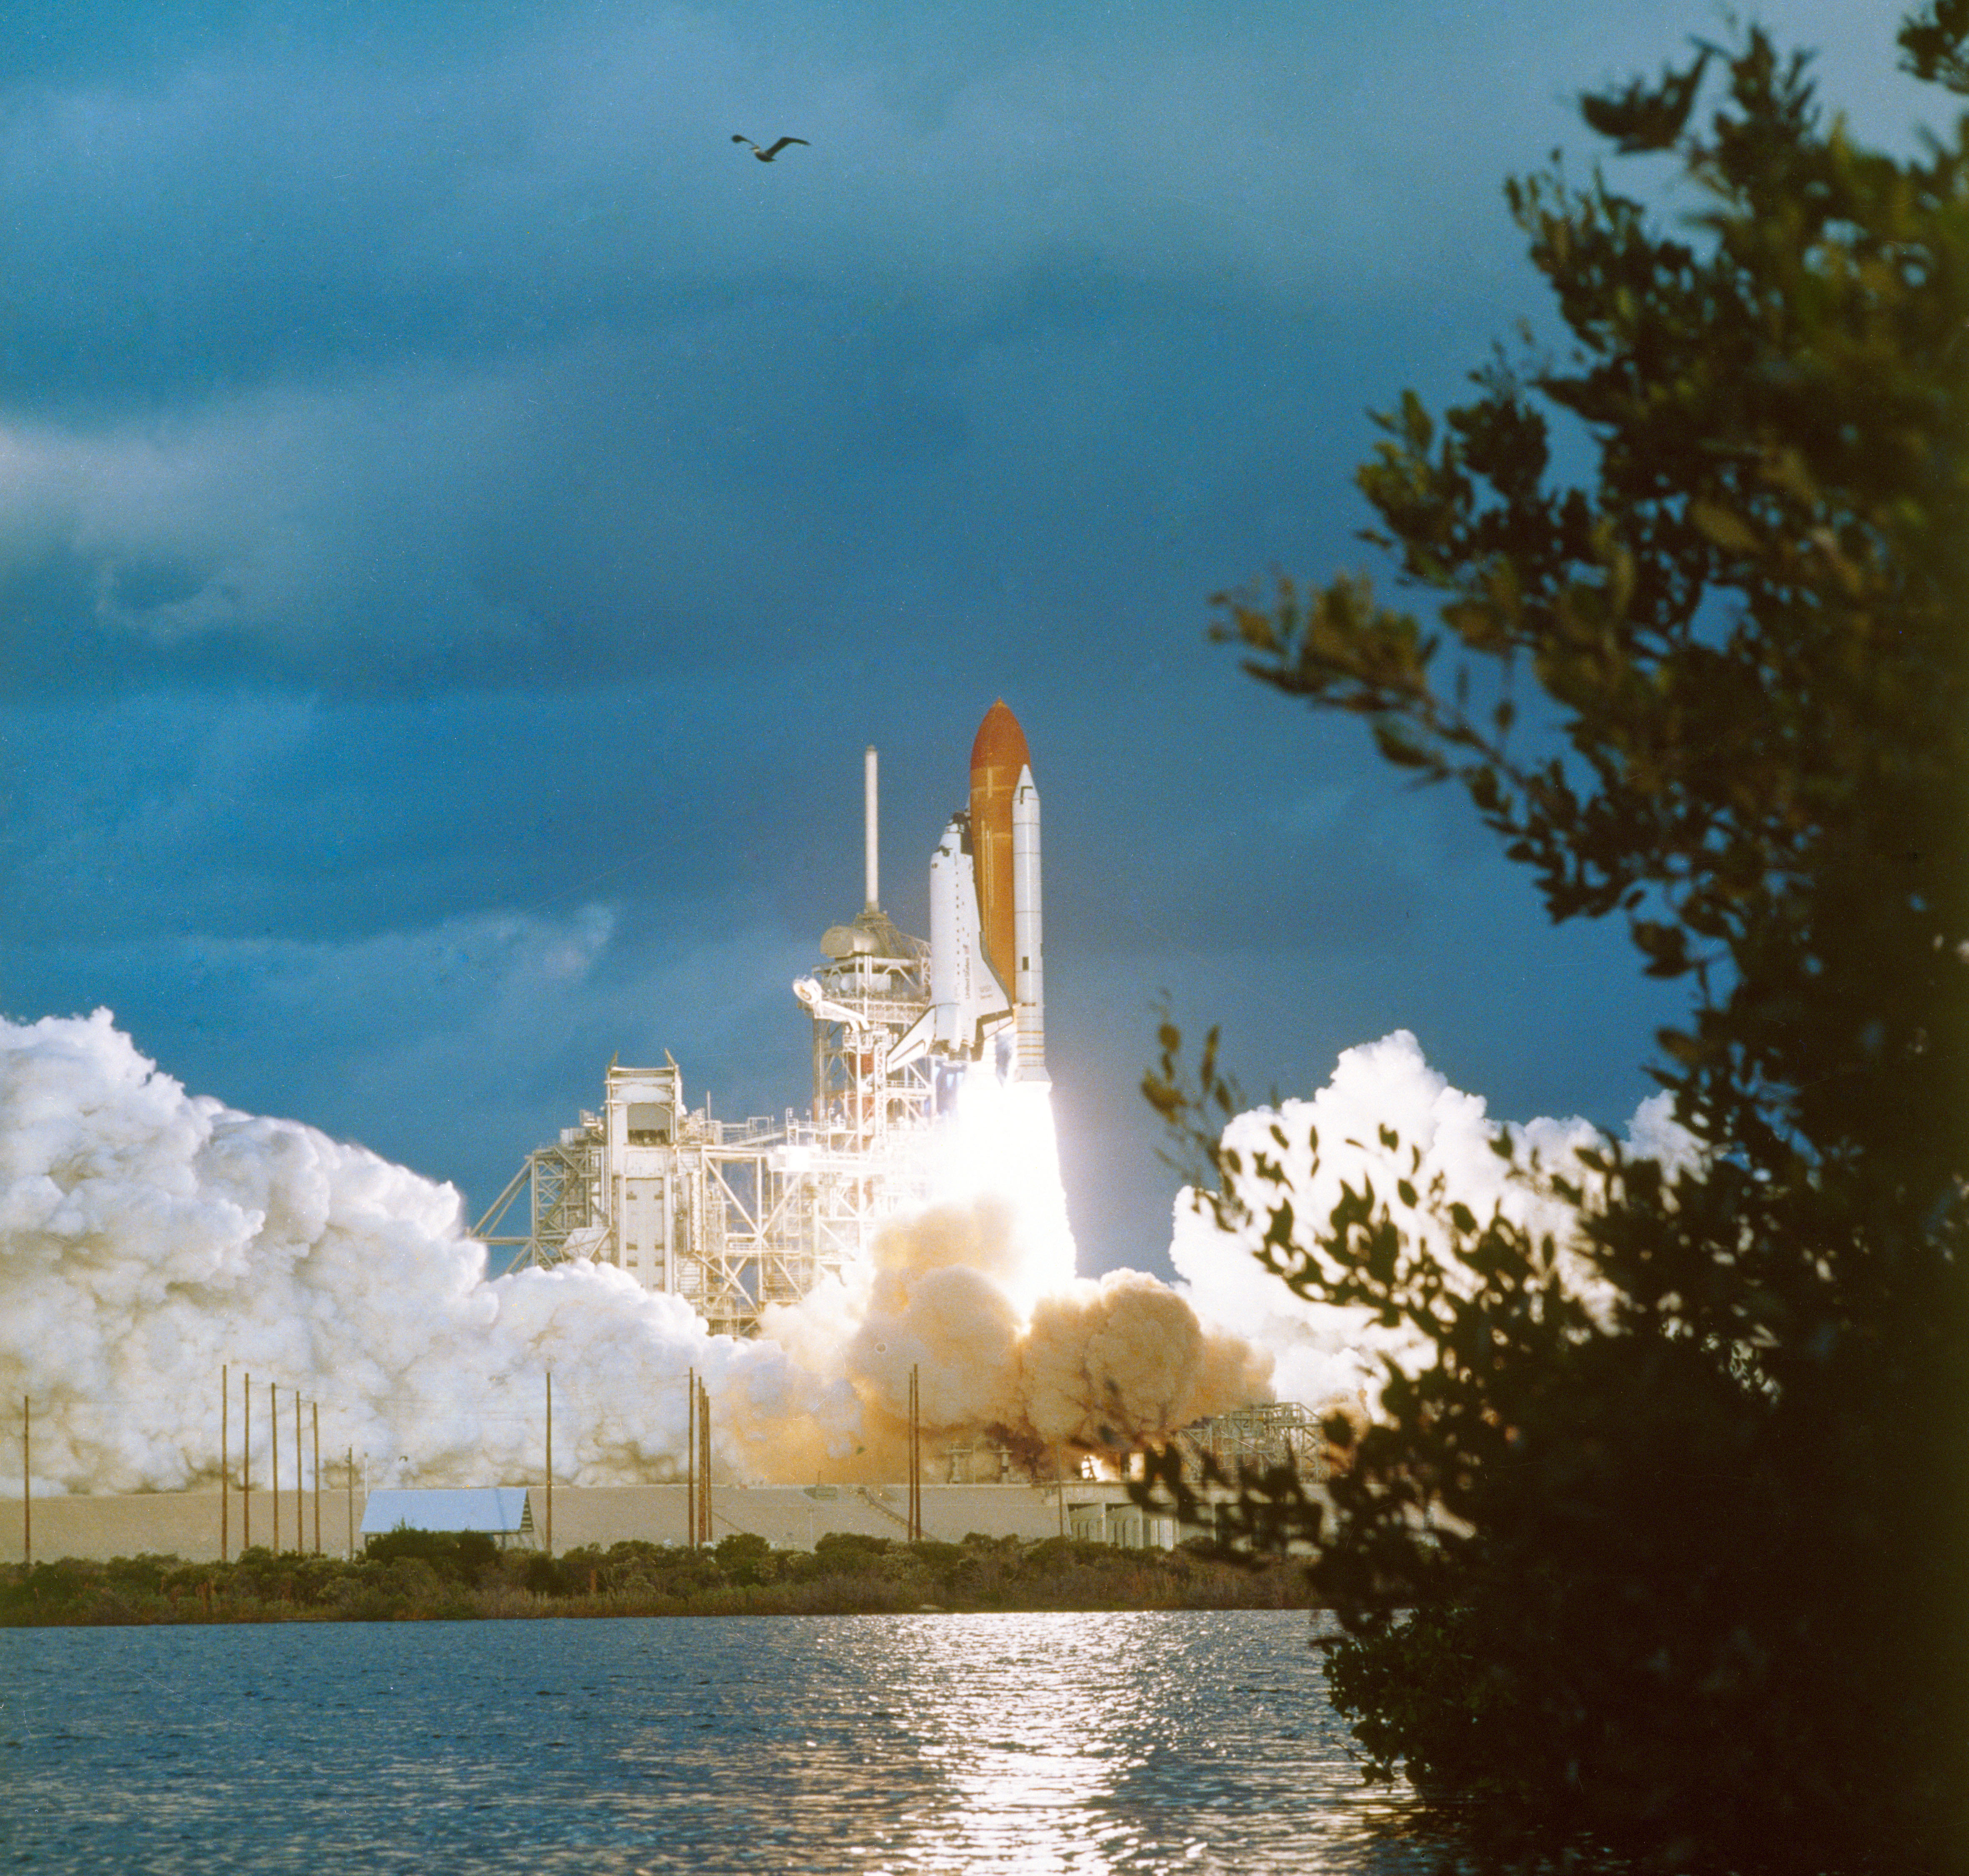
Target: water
(1083, 1743)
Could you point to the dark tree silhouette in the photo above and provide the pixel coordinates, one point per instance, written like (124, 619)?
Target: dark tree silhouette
(1680, 1579)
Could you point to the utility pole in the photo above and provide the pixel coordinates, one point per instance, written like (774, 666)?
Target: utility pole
(314, 1409)
(704, 1462)
(915, 1453)
(273, 1457)
(349, 1482)
(549, 1461)
(26, 1480)
(690, 1460)
(246, 1466)
(225, 1487)
(300, 1541)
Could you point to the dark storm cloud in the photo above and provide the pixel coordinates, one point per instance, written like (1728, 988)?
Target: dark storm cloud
(321, 277)
(372, 348)
(289, 203)
(460, 519)
(280, 817)
(765, 479)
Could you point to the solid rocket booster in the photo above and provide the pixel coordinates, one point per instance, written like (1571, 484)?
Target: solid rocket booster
(1028, 978)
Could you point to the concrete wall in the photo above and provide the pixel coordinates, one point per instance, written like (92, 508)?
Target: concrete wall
(186, 1524)
(167, 1524)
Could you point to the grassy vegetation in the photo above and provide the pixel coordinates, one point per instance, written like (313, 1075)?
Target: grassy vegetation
(415, 1575)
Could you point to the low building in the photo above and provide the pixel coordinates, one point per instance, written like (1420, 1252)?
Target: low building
(503, 1513)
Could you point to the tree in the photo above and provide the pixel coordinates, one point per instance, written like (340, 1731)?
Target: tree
(1686, 1567)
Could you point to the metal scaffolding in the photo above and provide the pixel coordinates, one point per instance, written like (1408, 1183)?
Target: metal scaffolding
(563, 1185)
(1273, 1433)
(733, 1216)
(874, 986)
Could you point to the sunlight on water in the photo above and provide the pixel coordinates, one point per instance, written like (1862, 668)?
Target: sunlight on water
(1029, 1739)
(1011, 1743)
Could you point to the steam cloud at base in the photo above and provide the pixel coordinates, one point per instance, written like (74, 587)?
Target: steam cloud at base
(147, 1236)
(1324, 1354)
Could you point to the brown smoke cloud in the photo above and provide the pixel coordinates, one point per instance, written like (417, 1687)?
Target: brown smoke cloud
(1100, 1363)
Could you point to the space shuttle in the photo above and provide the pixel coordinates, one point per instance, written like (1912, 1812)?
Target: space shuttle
(987, 979)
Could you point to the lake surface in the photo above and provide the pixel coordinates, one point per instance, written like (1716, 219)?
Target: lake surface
(1044, 1742)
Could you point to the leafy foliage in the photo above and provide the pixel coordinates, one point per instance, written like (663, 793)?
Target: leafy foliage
(454, 1556)
(1687, 1564)
(417, 1576)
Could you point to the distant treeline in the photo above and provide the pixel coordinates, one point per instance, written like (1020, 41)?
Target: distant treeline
(413, 1575)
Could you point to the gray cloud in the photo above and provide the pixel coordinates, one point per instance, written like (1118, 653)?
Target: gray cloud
(444, 486)
(311, 192)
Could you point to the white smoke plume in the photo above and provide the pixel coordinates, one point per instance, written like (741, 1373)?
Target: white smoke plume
(1324, 1354)
(978, 1290)
(147, 1236)
(1102, 1363)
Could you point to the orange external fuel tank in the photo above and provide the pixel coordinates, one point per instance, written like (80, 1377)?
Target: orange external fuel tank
(997, 756)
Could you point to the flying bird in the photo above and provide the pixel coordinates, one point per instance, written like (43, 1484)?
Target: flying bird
(767, 156)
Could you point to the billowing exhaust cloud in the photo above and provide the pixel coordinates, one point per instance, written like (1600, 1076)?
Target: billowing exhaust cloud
(1323, 1354)
(147, 1236)
(1102, 1363)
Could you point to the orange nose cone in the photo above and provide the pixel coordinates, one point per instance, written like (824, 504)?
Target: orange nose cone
(997, 757)
(1000, 743)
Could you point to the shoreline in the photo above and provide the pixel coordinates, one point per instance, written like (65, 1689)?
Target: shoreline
(420, 1576)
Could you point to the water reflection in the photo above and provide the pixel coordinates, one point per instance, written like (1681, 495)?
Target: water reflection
(1030, 1722)
(1091, 1743)
(1124, 1742)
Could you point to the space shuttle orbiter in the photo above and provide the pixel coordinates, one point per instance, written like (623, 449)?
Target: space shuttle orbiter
(987, 982)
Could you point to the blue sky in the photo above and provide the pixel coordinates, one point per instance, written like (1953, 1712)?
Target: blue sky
(461, 518)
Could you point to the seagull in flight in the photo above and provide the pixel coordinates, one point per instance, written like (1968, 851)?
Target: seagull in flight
(767, 156)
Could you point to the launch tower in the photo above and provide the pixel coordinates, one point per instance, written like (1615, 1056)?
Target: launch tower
(733, 1216)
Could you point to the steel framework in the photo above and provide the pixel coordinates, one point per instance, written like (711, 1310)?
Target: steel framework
(874, 986)
(1275, 1433)
(756, 1212)
(562, 1184)
(734, 1216)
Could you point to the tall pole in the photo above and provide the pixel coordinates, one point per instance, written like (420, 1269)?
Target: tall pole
(349, 1483)
(915, 1453)
(225, 1487)
(301, 1542)
(549, 1461)
(26, 1480)
(274, 1458)
(314, 1409)
(690, 1460)
(1059, 1485)
(704, 1466)
(246, 1464)
(870, 835)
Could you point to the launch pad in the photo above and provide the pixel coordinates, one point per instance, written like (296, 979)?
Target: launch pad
(731, 1216)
